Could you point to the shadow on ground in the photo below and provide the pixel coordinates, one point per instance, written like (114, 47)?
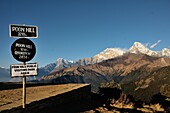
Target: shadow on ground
(89, 106)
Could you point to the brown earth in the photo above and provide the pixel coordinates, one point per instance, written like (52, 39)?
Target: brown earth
(12, 98)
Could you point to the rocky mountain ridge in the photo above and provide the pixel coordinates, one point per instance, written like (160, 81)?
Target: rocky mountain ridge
(121, 65)
(125, 69)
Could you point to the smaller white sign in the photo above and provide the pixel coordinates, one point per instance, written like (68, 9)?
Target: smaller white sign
(19, 70)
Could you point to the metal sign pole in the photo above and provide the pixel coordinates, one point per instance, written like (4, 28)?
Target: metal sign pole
(24, 90)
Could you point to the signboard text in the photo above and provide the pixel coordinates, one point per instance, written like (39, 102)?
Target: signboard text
(24, 70)
(23, 49)
(23, 31)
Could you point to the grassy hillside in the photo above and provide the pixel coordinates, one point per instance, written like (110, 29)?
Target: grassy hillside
(157, 82)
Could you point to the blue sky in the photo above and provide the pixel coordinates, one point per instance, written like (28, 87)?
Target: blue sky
(75, 29)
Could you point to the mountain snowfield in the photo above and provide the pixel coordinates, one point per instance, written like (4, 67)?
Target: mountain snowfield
(136, 48)
(139, 48)
(108, 53)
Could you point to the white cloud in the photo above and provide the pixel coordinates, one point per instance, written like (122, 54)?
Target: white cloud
(147, 44)
(155, 44)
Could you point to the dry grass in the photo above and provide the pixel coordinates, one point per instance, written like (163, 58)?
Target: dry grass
(13, 97)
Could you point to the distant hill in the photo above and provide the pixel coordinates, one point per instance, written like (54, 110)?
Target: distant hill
(4, 75)
(158, 81)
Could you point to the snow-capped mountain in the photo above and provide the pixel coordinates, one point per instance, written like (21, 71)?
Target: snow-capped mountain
(166, 52)
(104, 55)
(109, 53)
(137, 48)
(62, 63)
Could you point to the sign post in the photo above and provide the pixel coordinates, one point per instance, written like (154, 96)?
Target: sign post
(23, 50)
(23, 70)
(24, 90)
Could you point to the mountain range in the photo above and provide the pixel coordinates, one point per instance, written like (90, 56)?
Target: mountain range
(126, 69)
(139, 71)
(136, 48)
(108, 53)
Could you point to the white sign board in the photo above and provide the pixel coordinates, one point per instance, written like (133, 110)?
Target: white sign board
(19, 70)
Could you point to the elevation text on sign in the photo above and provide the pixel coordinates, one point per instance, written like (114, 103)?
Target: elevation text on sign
(23, 49)
(23, 31)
